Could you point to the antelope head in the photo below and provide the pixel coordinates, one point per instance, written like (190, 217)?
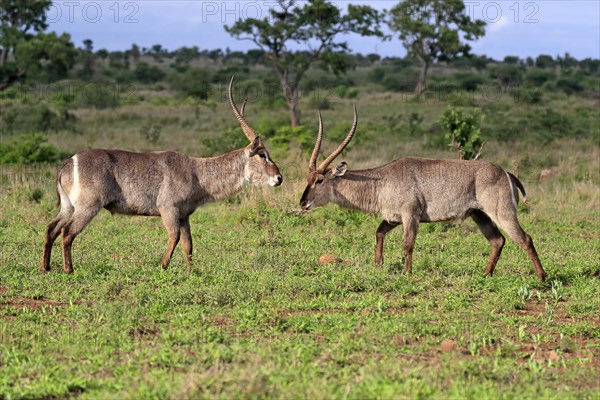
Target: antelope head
(320, 180)
(259, 169)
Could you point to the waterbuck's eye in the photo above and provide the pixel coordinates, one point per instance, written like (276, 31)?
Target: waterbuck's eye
(262, 155)
(320, 179)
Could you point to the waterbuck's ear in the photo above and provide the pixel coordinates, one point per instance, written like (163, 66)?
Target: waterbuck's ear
(254, 147)
(339, 170)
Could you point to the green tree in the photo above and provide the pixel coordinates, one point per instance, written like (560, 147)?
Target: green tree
(434, 30)
(25, 49)
(316, 24)
(87, 60)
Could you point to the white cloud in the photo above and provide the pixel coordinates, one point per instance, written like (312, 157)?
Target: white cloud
(499, 25)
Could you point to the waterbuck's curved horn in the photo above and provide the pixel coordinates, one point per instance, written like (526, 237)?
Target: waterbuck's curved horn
(312, 164)
(243, 107)
(341, 147)
(248, 131)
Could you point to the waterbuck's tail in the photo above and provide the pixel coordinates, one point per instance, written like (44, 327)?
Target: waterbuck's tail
(515, 181)
(61, 195)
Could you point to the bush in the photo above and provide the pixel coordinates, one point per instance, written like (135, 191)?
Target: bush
(278, 133)
(38, 118)
(29, 149)
(569, 85)
(537, 76)
(194, 82)
(146, 73)
(463, 131)
(317, 101)
(97, 96)
(376, 75)
(506, 74)
(469, 81)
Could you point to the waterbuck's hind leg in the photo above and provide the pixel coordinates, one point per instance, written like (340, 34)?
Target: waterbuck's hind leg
(77, 223)
(383, 229)
(509, 222)
(186, 241)
(493, 235)
(52, 231)
(170, 220)
(411, 226)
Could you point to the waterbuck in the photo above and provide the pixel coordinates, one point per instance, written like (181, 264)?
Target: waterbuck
(163, 183)
(412, 190)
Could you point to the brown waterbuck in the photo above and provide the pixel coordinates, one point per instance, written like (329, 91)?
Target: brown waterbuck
(411, 190)
(163, 183)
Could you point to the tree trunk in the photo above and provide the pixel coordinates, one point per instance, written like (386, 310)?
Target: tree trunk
(4, 56)
(293, 106)
(421, 84)
(290, 93)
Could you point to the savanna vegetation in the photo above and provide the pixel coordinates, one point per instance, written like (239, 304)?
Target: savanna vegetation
(259, 316)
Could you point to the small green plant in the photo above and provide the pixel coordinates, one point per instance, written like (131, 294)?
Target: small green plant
(557, 291)
(473, 348)
(525, 293)
(549, 313)
(522, 332)
(151, 132)
(463, 131)
(36, 195)
(414, 123)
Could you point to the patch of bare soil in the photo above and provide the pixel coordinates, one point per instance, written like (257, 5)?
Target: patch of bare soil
(38, 305)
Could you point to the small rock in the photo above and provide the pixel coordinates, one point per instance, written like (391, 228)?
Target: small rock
(326, 259)
(448, 345)
(552, 356)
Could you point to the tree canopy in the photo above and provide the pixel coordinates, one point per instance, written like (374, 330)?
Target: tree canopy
(316, 25)
(25, 49)
(434, 30)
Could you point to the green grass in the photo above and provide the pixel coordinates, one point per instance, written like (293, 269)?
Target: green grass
(258, 317)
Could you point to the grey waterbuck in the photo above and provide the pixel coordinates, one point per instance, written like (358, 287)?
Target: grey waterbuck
(412, 190)
(163, 183)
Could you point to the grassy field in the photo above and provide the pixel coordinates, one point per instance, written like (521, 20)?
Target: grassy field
(258, 317)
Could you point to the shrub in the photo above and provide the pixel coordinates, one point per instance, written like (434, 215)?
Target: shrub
(38, 118)
(463, 131)
(96, 95)
(151, 132)
(319, 102)
(569, 85)
(469, 81)
(538, 76)
(146, 73)
(278, 133)
(376, 75)
(29, 149)
(194, 82)
(506, 74)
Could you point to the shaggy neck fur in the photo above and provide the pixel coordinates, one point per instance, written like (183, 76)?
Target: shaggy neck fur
(222, 176)
(358, 190)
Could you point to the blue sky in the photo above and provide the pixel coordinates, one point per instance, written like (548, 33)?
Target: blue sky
(521, 28)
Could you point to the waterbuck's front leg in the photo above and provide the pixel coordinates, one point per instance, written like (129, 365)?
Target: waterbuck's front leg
(411, 226)
(186, 241)
(383, 229)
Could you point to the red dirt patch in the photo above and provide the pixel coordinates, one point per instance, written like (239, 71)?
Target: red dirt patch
(37, 305)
